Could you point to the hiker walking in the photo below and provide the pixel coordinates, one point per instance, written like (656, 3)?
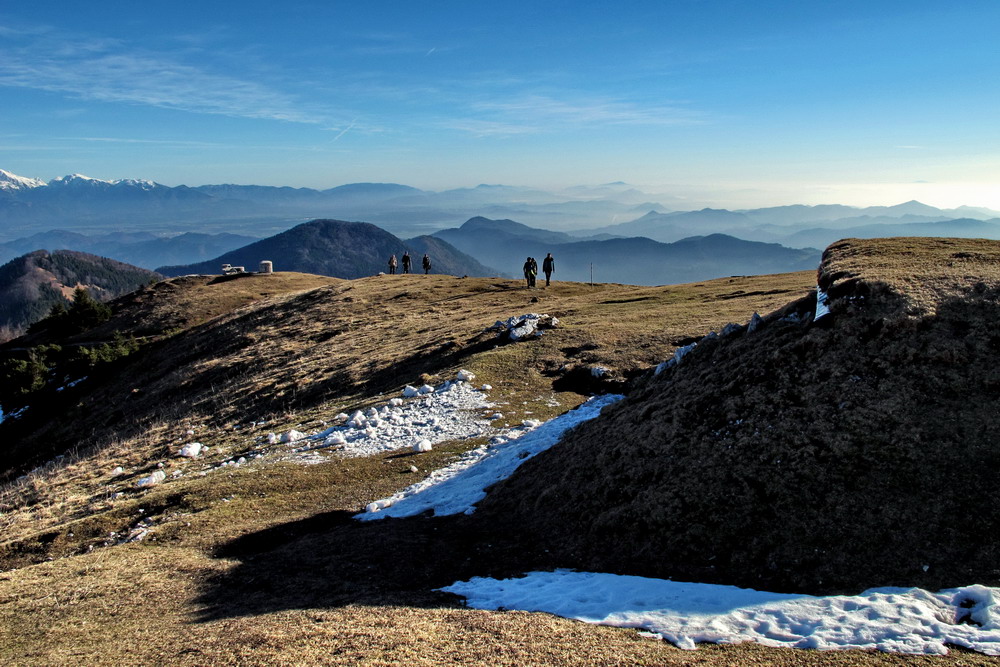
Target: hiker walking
(392, 265)
(426, 262)
(530, 271)
(406, 262)
(548, 267)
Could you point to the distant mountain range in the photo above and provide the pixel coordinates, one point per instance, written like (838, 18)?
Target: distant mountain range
(627, 235)
(95, 207)
(632, 260)
(814, 226)
(139, 248)
(30, 285)
(342, 250)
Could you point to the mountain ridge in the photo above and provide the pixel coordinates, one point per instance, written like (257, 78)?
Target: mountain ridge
(335, 248)
(84, 202)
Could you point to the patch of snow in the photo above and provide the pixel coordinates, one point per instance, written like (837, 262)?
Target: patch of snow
(448, 412)
(410, 391)
(679, 354)
(16, 413)
(888, 619)
(423, 446)
(152, 480)
(458, 487)
(599, 371)
(68, 385)
(754, 323)
(523, 326)
(822, 304)
(466, 376)
(292, 436)
(191, 450)
(730, 329)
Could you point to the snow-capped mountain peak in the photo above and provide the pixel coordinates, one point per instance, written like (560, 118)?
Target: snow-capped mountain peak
(76, 179)
(79, 180)
(137, 183)
(9, 181)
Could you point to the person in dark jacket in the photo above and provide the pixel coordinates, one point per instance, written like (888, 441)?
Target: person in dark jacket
(426, 262)
(548, 267)
(529, 272)
(406, 262)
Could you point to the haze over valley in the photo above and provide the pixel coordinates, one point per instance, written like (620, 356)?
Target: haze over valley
(611, 233)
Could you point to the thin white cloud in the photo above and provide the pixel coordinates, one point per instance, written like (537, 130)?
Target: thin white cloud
(155, 142)
(108, 71)
(534, 114)
(537, 108)
(488, 128)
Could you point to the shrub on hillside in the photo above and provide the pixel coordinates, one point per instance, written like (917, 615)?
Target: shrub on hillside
(85, 312)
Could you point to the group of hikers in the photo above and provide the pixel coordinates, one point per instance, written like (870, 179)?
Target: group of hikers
(426, 263)
(531, 269)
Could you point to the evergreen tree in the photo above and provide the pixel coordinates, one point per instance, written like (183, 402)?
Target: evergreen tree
(86, 311)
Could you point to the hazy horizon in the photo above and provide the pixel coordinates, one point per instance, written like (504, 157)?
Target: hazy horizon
(721, 104)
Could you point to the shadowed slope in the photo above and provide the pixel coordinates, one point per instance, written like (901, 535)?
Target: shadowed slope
(800, 457)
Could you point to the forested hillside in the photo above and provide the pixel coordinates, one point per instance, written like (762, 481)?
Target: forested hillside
(31, 285)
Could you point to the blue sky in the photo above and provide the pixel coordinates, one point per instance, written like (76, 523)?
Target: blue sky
(721, 102)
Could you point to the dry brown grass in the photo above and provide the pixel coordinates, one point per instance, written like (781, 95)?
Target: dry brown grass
(256, 565)
(924, 271)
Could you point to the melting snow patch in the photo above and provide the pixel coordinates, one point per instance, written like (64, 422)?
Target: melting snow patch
(524, 326)
(822, 304)
(679, 354)
(457, 487)
(15, 414)
(191, 450)
(448, 412)
(888, 619)
(156, 478)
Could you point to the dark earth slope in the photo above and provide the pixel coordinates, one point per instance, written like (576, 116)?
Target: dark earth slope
(855, 452)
